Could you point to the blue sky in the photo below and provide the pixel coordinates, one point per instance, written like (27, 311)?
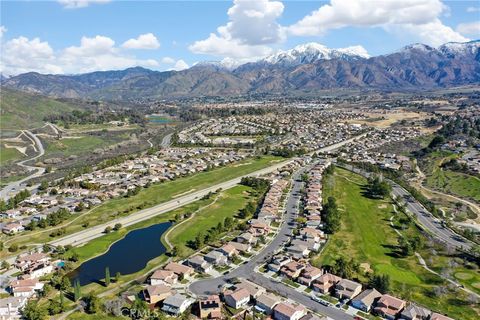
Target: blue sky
(46, 36)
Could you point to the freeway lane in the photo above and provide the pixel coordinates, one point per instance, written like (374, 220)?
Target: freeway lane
(424, 217)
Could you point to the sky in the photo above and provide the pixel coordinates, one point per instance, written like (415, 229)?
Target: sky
(78, 36)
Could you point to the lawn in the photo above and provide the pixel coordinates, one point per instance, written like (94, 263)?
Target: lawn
(152, 196)
(75, 145)
(449, 181)
(367, 236)
(227, 204)
(9, 155)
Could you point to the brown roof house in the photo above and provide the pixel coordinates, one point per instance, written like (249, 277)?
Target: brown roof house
(438, 316)
(266, 302)
(325, 283)
(180, 270)
(157, 293)
(238, 298)
(286, 311)
(347, 289)
(308, 275)
(163, 277)
(388, 306)
(414, 312)
(365, 300)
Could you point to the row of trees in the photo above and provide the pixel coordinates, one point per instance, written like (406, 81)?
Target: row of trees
(331, 215)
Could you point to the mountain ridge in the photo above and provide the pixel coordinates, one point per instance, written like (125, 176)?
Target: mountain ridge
(306, 68)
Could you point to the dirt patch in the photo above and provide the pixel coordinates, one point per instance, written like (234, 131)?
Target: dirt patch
(183, 193)
(242, 164)
(382, 206)
(22, 150)
(366, 267)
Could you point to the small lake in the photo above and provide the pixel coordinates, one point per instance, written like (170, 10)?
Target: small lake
(126, 256)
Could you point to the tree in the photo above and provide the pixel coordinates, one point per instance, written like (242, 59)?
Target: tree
(117, 277)
(108, 229)
(13, 247)
(92, 304)
(32, 311)
(345, 268)
(107, 276)
(378, 188)
(77, 290)
(405, 246)
(43, 185)
(228, 223)
(117, 226)
(65, 284)
(380, 282)
(5, 264)
(332, 216)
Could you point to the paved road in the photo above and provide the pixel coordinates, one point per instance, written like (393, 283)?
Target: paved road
(245, 271)
(166, 140)
(12, 188)
(424, 217)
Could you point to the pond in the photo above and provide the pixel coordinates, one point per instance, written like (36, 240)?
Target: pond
(126, 256)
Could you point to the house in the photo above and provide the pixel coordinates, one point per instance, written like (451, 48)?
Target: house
(30, 261)
(10, 307)
(12, 228)
(438, 316)
(198, 263)
(365, 300)
(182, 271)
(347, 289)
(266, 302)
(228, 250)
(241, 247)
(163, 277)
(388, 306)
(309, 243)
(251, 287)
(278, 262)
(176, 304)
(308, 275)
(325, 282)
(298, 250)
(292, 269)
(157, 293)
(238, 298)
(210, 308)
(216, 258)
(287, 311)
(414, 312)
(247, 237)
(25, 288)
(311, 316)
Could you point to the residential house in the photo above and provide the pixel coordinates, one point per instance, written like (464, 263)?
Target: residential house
(156, 293)
(163, 277)
(251, 287)
(325, 283)
(365, 300)
(247, 237)
(228, 250)
(216, 258)
(278, 262)
(176, 304)
(238, 298)
(25, 288)
(182, 271)
(266, 302)
(388, 306)
(347, 289)
(210, 308)
(10, 307)
(292, 269)
(438, 316)
(241, 247)
(298, 250)
(198, 263)
(287, 311)
(414, 312)
(309, 274)
(12, 228)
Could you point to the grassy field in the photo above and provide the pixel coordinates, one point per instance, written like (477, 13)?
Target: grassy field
(9, 155)
(76, 145)
(21, 110)
(367, 236)
(227, 204)
(448, 181)
(151, 196)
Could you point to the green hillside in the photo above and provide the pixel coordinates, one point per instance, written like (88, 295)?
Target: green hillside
(21, 110)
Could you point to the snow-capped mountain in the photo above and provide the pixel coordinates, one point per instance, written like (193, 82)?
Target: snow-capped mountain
(311, 52)
(459, 48)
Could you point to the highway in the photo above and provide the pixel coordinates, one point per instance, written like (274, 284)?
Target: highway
(424, 217)
(12, 188)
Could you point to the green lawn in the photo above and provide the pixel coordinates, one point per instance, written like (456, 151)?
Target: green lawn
(448, 181)
(227, 205)
(75, 146)
(9, 155)
(367, 237)
(153, 195)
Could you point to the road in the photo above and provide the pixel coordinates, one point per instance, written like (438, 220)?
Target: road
(424, 217)
(166, 140)
(245, 271)
(12, 188)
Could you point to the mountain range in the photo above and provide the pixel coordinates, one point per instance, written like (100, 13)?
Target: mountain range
(305, 68)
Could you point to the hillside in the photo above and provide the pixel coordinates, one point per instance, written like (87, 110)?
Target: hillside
(306, 68)
(21, 110)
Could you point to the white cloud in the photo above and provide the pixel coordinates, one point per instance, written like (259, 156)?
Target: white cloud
(180, 65)
(21, 55)
(75, 4)
(418, 17)
(3, 30)
(168, 60)
(251, 28)
(469, 29)
(473, 9)
(143, 41)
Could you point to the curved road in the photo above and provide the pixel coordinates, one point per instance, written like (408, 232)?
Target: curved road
(12, 188)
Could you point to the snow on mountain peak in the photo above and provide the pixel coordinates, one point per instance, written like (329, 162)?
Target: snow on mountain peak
(310, 52)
